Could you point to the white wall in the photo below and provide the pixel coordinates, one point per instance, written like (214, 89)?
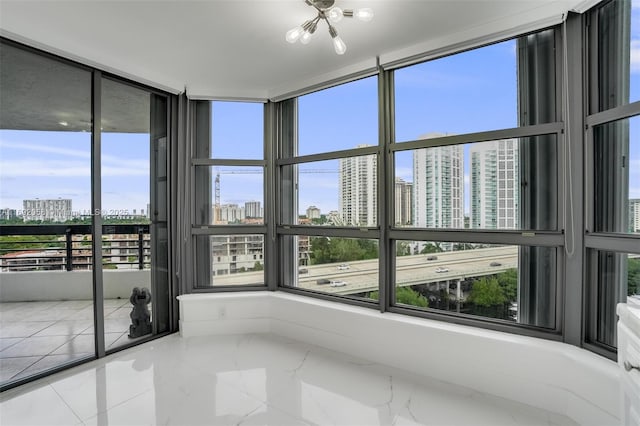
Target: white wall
(68, 285)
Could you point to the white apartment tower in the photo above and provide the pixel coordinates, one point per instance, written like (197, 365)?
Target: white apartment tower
(494, 184)
(403, 205)
(313, 212)
(358, 190)
(252, 209)
(58, 210)
(438, 187)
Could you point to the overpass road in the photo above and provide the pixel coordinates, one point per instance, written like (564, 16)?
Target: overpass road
(362, 276)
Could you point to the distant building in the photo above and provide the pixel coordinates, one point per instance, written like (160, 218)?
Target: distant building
(47, 210)
(403, 205)
(634, 215)
(438, 187)
(334, 218)
(230, 213)
(252, 209)
(358, 185)
(235, 253)
(8, 214)
(313, 212)
(494, 184)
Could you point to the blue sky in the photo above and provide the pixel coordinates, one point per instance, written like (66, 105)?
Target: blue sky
(469, 92)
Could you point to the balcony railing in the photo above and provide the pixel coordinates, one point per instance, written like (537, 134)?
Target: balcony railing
(68, 247)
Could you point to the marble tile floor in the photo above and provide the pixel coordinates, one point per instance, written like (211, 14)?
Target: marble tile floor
(257, 379)
(37, 336)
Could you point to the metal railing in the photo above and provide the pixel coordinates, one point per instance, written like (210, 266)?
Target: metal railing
(68, 247)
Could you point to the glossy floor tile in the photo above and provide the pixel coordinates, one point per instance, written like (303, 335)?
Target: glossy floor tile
(37, 336)
(252, 380)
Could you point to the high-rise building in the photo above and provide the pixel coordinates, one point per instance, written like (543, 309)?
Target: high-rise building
(58, 210)
(634, 215)
(252, 209)
(313, 212)
(438, 187)
(230, 213)
(403, 205)
(8, 214)
(358, 190)
(494, 184)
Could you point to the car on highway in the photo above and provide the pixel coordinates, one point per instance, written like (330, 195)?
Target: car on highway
(303, 271)
(343, 267)
(495, 264)
(441, 269)
(322, 281)
(432, 257)
(337, 283)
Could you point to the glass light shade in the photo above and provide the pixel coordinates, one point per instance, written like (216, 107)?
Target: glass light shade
(364, 14)
(339, 45)
(294, 34)
(306, 37)
(335, 14)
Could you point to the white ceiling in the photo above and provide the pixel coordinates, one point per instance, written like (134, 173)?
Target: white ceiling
(236, 48)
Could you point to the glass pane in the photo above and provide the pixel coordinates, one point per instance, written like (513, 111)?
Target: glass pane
(617, 281)
(483, 185)
(337, 192)
(337, 265)
(617, 176)
(237, 130)
(229, 195)
(510, 283)
(126, 203)
(46, 299)
(618, 53)
(229, 260)
(480, 85)
(342, 117)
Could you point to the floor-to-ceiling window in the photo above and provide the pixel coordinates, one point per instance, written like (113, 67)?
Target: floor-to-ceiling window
(83, 177)
(329, 192)
(228, 165)
(613, 156)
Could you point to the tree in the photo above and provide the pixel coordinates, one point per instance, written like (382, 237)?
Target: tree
(406, 296)
(487, 292)
(508, 281)
(431, 248)
(258, 267)
(633, 273)
(403, 248)
(333, 250)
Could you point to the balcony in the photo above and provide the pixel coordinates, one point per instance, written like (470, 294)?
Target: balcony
(46, 292)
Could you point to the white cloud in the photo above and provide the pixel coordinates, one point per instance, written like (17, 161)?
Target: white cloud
(467, 179)
(27, 146)
(67, 169)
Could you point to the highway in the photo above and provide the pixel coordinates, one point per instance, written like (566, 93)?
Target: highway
(362, 276)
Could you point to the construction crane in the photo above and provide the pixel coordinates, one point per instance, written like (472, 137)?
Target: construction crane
(247, 171)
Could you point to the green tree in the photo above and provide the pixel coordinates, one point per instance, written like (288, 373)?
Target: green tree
(431, 248)
(406, 296)
(487, 292)
(508, 281)
(633, 272)
(258, 267)
(334, 250)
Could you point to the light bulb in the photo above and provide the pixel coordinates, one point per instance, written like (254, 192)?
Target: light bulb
(306, 37)
(294, 34)
(339, 45)
(364, 14)
(335, 14)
